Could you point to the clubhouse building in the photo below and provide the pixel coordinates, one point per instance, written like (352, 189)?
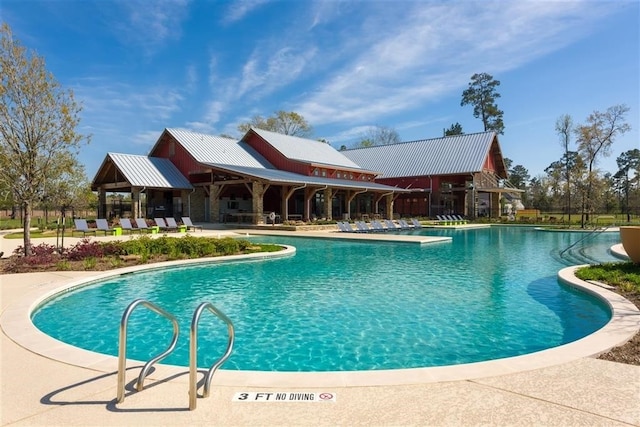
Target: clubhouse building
(266, 174)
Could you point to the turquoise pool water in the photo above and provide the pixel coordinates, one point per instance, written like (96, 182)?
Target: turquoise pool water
(341, 306)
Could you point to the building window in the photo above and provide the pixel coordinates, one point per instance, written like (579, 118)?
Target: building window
(338, 175)
(315, 171)
(324, 172)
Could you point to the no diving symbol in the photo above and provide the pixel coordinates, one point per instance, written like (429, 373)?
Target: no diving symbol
(326, 396)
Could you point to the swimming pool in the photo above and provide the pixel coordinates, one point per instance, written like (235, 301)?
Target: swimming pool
(341, 306)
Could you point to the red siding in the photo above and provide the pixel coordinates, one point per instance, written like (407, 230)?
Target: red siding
(181, 158)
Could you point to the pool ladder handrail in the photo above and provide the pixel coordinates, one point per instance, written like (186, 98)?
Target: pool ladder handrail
(122, 351)
(193, 352)
(592, 233)
(193, 349)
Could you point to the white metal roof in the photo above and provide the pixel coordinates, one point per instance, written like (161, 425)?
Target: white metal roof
(150, 172)
(306, 150)
(449, 155)
(217, 149)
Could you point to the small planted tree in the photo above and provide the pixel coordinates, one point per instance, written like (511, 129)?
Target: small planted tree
(38, 121)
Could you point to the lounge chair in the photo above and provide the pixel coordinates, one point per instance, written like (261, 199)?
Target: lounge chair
(362, 227)
(416, 223)
(103, 225)
(82, 227)
(141, 223)
(172, 224)
(390, 225)
(187, 221)
(461, 219)
(377, 226)
(348, 228)
(404, 224)
(125, 224)
(163, 226)
(341, 227)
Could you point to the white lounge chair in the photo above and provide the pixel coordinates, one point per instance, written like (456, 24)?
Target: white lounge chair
(404, 224)
(416, 223)
(82, 227)
(187, 221)
(362, 227)
(377, 226)
(348, 228)
(390, 225)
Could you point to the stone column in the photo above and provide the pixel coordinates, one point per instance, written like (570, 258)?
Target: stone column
(328, 204)
(284, 202)
(135, 203)
(495, 205)
(214, 202)
(102, 203)
(308, 195)
(389, 205)
(257, 190)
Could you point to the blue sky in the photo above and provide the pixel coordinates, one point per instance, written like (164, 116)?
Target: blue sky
(141, 66)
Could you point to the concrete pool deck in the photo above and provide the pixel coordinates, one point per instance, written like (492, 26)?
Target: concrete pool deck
(556, 389)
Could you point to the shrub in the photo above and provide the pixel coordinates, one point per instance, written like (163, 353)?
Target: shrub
(85, 249)
(40, 254)
(89, 263)
(228, 246)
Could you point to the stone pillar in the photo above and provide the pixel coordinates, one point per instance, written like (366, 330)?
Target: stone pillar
(308, 195)
(102, 203)
(495, 205)
(135, 203)
(284, 202)
(389, 206)
(214, 202)
(257, 190)
(328, 204)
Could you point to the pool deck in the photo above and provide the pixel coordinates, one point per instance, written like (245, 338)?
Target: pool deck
(555, 388)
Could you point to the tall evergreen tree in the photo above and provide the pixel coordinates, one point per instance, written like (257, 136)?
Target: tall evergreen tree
(482, 94)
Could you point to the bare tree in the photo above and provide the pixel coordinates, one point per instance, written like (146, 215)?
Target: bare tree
(38, 123)
(564, 128)
(379, 135)
(595, 139)
(284, 122)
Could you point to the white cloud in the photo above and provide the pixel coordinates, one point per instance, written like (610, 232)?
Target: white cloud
(149, 23)
(240, 8)
(434, 51)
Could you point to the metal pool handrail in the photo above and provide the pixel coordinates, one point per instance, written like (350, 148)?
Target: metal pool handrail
(592, 233)
(122, 351)
(193, 353)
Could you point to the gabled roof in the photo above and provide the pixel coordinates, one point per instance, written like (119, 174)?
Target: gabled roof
(143, 171)
(306, 150)
(285, 177)
(217, 149)
(450, 155)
